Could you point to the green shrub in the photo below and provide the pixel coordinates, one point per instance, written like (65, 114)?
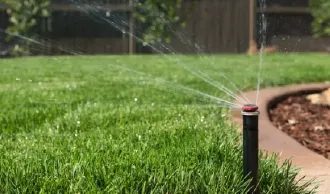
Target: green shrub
(162, 17)
(24, 16)
(320, 12)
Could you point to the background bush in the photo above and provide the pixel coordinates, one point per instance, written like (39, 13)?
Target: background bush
(24, 16)
(320, 12)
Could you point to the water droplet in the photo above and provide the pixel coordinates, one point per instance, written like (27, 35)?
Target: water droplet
(78, 122)
(135, 99)
(17, 79)
(152, 104)
(76, 134)
(108, 14)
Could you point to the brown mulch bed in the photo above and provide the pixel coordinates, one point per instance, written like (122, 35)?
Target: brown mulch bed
(308, 123)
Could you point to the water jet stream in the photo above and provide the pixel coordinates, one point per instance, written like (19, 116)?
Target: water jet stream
(197, 73)
(232, 105)
(198, 49)
(40, 43)
(172, 84)
(172, 51)
(263, 31)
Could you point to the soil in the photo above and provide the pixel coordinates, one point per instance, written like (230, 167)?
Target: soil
(307, 123)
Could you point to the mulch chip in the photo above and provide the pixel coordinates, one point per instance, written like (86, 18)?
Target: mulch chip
(307, 123)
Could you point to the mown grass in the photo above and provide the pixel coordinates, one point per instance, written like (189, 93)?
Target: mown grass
(83, 125)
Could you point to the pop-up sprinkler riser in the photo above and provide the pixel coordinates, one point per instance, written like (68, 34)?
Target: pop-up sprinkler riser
(250, 115)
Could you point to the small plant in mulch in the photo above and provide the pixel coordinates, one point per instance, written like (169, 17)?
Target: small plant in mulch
(306, 118)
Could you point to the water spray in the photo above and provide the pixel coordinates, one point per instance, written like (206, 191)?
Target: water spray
(250, 115)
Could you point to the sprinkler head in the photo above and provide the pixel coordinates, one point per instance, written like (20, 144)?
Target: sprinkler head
(249, 108)
(251, 145)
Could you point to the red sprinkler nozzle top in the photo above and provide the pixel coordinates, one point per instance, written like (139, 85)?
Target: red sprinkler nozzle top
(249, 108)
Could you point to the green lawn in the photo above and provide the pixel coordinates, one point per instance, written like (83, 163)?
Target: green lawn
(83, 125)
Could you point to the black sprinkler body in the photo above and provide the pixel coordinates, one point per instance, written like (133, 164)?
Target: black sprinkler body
(250, 115)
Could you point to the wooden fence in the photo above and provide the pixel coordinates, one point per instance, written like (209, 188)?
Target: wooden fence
(72, 27)
(215, 26)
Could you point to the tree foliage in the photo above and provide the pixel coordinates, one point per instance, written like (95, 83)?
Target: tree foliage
(320, 12)
(162, 18)
(24, 16)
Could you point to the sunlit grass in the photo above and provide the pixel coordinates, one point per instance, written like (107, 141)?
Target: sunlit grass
(83, 125)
